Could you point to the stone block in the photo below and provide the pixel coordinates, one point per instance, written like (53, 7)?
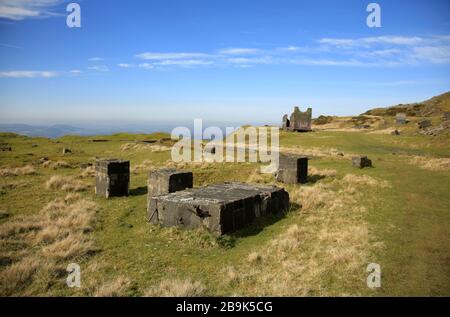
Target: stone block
(424, 124)
(292, 169)
(221, 208)
(361, 162)
(168, 180)
(112, 177)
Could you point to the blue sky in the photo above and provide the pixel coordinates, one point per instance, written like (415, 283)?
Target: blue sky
(238, 61)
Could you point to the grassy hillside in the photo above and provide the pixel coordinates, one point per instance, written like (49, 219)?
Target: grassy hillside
(435, 106)
(395, 214)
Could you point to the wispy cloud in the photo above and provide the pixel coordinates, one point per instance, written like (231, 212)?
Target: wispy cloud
(28, 74)
(146, 66)
(239, 51)
(9, 45)
(22, 9)
(95, 59)
(99, 68)
(170, 56)
(380, 51)
(125, 65)
(186, 62)
(367, 41)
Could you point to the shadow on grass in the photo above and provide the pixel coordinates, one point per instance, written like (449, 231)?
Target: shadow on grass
(229, 240)
(312, 179)
(138, 191)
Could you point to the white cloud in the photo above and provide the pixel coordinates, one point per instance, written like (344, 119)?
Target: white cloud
(95, 59)
(99, 68)
(377, 51)
(75, 71)
(169, 56)
(239, 51)
(433, 54)
(146, 66)
(22, 9)
(247, 61)
(367, 41)
(185, 62)
(28, 74)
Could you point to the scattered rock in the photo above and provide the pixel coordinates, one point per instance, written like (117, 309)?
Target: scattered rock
(424, 124)
(361, 161)
(395, 132)
(66, 151)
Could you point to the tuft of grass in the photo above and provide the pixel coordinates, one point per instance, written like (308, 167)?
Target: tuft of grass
(56, 165)
(66, 183)
(177, 288)
(59, 233)
(25, 170)
(332, 239)
(432, 164)
(116, 287)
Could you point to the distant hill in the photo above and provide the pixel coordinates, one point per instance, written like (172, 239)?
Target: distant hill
(53, 131)
(435, 106)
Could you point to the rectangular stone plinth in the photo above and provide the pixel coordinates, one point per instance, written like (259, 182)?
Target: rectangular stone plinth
(166, 181)
(112, 177)
(221, 208)
(292, 169)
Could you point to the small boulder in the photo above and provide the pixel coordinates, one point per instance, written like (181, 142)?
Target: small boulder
(361, 162)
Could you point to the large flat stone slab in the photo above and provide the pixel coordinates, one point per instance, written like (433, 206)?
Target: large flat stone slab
(221, 208)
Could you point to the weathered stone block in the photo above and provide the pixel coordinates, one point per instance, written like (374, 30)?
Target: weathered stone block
(292, 169)
(221, 208)
(112, 177)
(361, 162)
(168, 180)
(400, 118)
(424, 124)
(446, 116)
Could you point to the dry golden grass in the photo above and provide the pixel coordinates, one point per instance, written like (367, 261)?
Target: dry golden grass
(146, 165)
(114, 288)
(177, 288)
(144, 147)
(88, 172)
(18, 275)
(56, 165)
(315, 152)
(432, 164)
(66, 183)
(16, 171)
(59, 232)
(332, 241)
(9, 185)
(321, 172)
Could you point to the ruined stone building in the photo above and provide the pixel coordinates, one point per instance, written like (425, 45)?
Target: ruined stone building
(299, 121)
